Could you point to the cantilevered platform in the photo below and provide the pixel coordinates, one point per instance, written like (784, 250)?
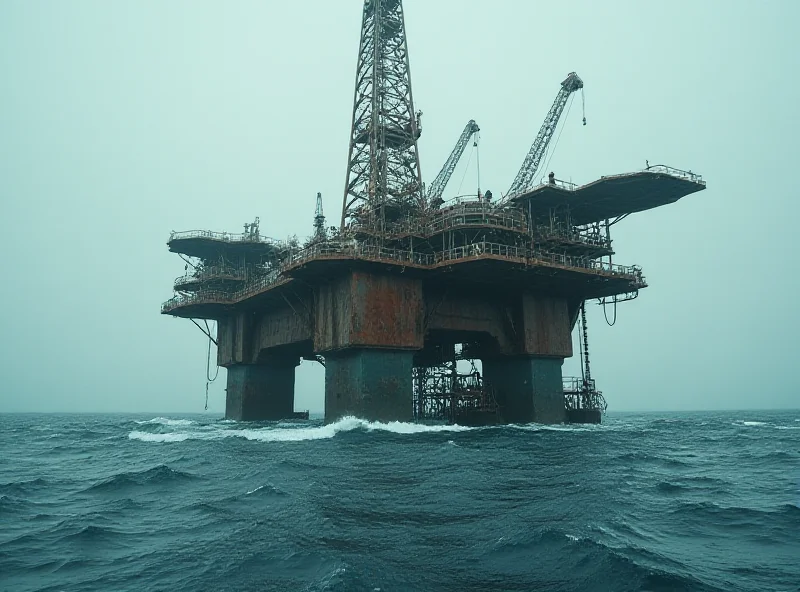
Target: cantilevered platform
(612, 196)
(205, 244)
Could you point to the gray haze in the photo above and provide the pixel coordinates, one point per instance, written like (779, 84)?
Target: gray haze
(121, 121)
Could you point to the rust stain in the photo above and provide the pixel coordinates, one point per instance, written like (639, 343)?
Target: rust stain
(386, 311)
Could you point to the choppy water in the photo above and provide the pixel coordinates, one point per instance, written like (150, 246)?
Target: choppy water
(705, 501)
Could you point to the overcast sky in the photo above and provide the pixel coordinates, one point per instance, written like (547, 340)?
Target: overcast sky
(121, 121)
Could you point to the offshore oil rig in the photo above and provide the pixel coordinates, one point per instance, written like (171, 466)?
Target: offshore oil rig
(458, 311)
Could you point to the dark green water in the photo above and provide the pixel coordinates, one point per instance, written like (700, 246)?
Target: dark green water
(696, 501)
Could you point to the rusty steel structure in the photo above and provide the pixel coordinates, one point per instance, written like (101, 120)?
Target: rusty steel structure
(384, 179)
(447, 393)
(420, 308)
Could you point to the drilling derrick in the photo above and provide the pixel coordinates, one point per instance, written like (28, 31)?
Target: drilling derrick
(384, 182)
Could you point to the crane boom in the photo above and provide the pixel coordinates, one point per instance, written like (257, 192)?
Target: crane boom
(527, 172)
(440, 182)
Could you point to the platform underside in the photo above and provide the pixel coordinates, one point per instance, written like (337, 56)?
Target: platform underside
(501, 272)
(610, 197)
(205, 247)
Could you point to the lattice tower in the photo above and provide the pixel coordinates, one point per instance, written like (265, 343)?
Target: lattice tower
(384, 180)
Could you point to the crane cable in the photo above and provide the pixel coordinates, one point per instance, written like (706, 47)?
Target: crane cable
(583, 105)
(466, 170)
(605, 314)
(209, 379)
(476, 145)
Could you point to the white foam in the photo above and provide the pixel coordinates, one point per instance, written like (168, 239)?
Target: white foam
(259, 488)
(147, 437)
(573, 538)
(753, 423)
(538, 427)
(346, 424)
(292, 434)
(399, 427)
(167, 422)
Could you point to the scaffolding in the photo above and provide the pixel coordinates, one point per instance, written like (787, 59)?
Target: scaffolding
(442, 393)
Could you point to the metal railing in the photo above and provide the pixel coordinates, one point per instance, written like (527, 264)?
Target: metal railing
(673, 172)
(477, 250)
(200, 297)
(470, 198)
(569, 186)
(258, 285)
(476, 214)
(228, 237)
(598, 266)
(572, 384)
(358, 251)
(583, 235)
(465, 214)
(212, 273)
(561, 184)
(481, 249)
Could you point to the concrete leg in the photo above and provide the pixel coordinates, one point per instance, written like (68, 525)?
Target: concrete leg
(373, 384)
(261, 392)
(528, 389)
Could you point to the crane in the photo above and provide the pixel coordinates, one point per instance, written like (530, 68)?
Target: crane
(527, 172)
(440, 182)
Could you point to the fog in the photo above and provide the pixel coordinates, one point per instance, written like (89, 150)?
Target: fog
(122, 121)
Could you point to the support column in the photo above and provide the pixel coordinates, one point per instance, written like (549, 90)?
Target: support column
(372, 384)
(261, 392)
(528, 389)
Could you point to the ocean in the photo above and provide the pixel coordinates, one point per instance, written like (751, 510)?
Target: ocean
(644, 502)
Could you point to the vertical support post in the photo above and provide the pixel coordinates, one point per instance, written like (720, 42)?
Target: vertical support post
(261, 392)
(528, 389)
(372, 384)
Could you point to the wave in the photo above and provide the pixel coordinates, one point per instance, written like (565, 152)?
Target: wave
(700, 484)
(148, 437)
(22, 487)
(155, 475)
(167, 422)
(91, 533)
(295, 434)
(715, 514)
(777, 455)
(643, 457)
(670, 487)
(541, 427)
(10, 503)
(266, 489)
(586, 557)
